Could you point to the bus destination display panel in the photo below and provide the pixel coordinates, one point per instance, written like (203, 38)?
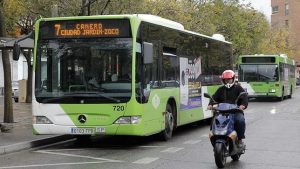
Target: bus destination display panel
(117, 28)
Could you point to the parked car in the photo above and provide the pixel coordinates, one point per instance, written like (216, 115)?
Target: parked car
(15, 90)
(298, 81)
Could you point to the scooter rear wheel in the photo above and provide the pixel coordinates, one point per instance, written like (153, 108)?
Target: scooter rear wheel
(236, 157)
(220, 157)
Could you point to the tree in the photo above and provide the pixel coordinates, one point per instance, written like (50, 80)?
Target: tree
(279, 41)
(25, 23)
(240, 24)
(8, 109)
(27, 55)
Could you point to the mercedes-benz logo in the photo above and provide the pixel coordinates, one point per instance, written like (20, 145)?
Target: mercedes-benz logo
(82, 118)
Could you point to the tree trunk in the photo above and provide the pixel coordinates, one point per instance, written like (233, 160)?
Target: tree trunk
(29, 79)
(8, 109)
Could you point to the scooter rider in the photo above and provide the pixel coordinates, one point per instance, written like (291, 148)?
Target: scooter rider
(228, 93)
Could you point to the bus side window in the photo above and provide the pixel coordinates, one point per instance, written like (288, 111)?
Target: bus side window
(170, 68)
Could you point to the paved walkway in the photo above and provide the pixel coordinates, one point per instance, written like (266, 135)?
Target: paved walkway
(21, 136)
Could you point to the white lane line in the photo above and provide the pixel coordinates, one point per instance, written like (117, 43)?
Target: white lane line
(204, 135)
(172, 150)
(152, 146)
(273, 110)
(53, 150)
(80, 156)
(57, 164)
(146, 160)
(192, 142)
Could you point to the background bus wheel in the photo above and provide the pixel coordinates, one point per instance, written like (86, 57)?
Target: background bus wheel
(166, 134)
(282, 95)
(291, 92)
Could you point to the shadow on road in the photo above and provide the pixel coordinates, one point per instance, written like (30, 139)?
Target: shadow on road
(130, 142)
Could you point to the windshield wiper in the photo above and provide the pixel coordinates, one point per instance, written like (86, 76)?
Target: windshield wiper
(95, 93)
(79, 95)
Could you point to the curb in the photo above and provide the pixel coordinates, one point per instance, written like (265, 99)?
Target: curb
(31, 144)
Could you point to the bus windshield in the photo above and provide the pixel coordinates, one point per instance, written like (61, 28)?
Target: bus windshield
(258, 73)
(83, 70)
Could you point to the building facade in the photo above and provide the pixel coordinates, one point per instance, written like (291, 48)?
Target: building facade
(19, 69)
(286, 14)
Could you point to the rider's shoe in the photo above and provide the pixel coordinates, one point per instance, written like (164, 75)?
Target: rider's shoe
(240, 143)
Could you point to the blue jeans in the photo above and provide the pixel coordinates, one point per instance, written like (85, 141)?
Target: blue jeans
(239, 125)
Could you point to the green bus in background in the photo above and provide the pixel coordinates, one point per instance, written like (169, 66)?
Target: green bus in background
(122, 75)
(267, 75)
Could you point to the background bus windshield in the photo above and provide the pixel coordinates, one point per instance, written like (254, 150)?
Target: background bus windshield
(87, 70)
(258, 73)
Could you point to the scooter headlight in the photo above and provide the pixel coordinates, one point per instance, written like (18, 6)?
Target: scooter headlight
(220, 132)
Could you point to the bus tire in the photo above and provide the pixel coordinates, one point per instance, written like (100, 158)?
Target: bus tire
(282, 95)
(291, 92)
(166, 134)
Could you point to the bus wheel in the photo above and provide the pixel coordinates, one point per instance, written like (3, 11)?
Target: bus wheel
(166, 134)
(282, 95)
(291, 92)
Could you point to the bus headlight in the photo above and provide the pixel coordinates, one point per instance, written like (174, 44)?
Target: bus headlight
(41, 120)
(272, 91)
(128, 120)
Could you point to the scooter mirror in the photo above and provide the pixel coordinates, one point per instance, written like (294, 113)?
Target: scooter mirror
(243, 94)
(207, 95)
(240, 95)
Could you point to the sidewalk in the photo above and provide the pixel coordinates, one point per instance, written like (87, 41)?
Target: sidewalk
(20, 137)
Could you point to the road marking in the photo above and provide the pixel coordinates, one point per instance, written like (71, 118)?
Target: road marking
(152, 146)
(146, 160)
(57, 164)
(273, 110)
(204, 135)
(172, 150)
(192, 142)
(80, 156)
(74, 149)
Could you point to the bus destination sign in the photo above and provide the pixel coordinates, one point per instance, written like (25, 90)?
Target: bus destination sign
(85, 29)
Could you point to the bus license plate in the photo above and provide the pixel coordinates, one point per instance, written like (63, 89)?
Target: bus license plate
(82, 130)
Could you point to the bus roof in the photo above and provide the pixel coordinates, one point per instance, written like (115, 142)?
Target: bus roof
(172, 24)
(142, 17)
(283, 57)
(264, 55)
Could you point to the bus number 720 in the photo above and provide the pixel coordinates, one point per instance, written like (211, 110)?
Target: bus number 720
(118, 108)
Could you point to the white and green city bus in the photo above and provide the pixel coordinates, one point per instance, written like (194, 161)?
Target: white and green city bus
(267, 75)
(122, 75)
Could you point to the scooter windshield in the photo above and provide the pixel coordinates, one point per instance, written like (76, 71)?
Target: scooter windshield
(226, 106)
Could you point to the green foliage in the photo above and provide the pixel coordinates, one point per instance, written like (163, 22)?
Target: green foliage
(280, 41)
(246, 28)
(12, 9)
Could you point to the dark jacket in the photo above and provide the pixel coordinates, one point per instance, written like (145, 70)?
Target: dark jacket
(225, 95)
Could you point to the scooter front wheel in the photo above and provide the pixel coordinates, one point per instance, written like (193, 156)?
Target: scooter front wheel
(220, 157)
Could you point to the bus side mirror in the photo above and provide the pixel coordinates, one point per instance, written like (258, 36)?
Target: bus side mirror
(207, 95)
(16, 51)
(148, 52)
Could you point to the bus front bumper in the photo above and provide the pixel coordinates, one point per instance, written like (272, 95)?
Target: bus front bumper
(114, 129)
(262, 95)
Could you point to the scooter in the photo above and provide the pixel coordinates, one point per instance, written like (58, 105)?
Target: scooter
(223, 137)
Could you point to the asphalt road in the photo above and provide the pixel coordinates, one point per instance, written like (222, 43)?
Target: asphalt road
(272, 139)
